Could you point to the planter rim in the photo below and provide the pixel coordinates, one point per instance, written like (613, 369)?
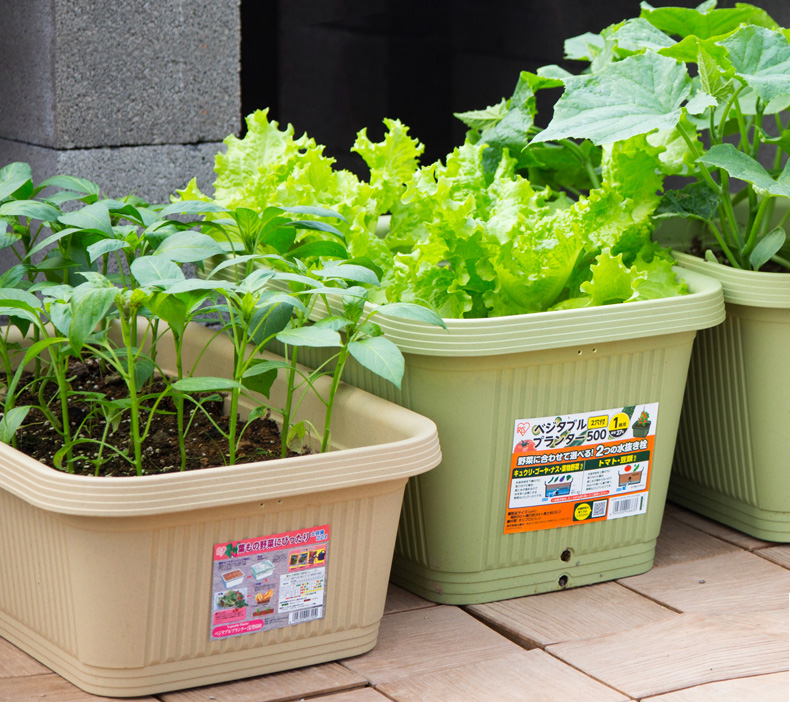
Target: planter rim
(701, 308)
(81, 495)
(750, 288)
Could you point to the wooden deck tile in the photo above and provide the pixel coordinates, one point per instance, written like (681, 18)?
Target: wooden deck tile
(400, 600)
(776, 554)
(768, 622)
(363, 694)
(426, 641)
(735, 582)
(15, 663)
(689, 650)
(525, 676)
(49, 687)
(579, 613)
(765, 688)
(679, 541)
(721, 531)
(276, 687)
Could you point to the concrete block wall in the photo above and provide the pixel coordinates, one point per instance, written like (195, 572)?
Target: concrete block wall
(138, 94)
(133, 94)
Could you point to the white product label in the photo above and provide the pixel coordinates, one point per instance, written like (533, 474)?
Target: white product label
(579, 468)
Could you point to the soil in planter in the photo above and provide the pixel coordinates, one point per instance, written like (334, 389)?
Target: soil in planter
(205, 446)
(698, 249)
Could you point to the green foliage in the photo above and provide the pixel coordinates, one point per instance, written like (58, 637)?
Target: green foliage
(710, 85)
(271, 170)
(69, 314)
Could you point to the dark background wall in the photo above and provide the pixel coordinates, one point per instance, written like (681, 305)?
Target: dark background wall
(331, 67)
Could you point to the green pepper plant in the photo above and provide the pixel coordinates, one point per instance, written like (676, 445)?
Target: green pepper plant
(80, 310)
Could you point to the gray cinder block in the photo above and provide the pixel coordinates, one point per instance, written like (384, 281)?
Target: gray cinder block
(87, 73)
(152, 172)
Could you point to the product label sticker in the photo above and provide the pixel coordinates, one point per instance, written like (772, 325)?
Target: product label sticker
(269, 582)
(580, 468)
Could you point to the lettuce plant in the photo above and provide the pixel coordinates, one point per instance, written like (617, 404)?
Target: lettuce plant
(270, 167)
(710, 88)
(504, 227)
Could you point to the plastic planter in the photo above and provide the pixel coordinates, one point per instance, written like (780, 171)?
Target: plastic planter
(115, 583)
(478, 381)
(729, 464)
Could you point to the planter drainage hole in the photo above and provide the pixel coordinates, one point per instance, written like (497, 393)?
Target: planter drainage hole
(565, 555)
(563, 581)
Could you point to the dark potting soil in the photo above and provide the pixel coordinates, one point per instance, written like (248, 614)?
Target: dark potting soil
(698, 249)
(205, 445)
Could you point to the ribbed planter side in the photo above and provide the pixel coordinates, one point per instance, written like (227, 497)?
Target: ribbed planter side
(111, 582)
(479, 377)
(730, 464)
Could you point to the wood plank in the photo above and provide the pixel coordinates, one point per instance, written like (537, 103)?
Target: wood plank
(276, 687)
(400, 600)
(16, 663)
(768, 622)
(50, 687)
(525, 676)
(735, 582)
(681, 652)
(426, 641)
(720, 531)
(363, 694)
(765, 688)
(679, 541)
(776, 554)
(579, 613)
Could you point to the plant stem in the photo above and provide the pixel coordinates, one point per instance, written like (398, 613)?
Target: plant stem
(707, 177)
(238, 371)
(134, 405)
(341, 362)
(576, 151)
(726, 112)
(745, 144)
(288, 403)
(59, 367)
(779, 152)
(729, 212)
(720, 238)
(178, 398)
(102, 445)
(781, 261)
(758, 125)
(758, 220)
(722, 244)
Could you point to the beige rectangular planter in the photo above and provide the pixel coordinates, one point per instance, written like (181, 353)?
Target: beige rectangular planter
(112, 582)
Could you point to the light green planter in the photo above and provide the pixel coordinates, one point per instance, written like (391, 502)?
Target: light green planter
(481, 376)
(730, 463)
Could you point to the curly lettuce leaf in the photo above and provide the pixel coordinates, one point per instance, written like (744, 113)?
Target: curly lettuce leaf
(612, 281)
(508, 248)
(269, 166)
(392, 162)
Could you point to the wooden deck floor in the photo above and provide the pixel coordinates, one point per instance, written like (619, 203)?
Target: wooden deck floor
(708, 622)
